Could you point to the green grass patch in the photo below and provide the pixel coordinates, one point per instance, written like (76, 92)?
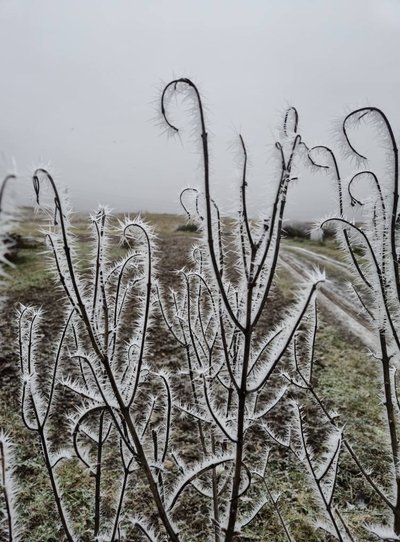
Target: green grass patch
(30, 270)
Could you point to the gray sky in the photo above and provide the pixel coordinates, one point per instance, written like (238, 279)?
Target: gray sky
(80, 81)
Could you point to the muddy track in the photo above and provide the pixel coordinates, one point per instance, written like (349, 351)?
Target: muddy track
(333, 295)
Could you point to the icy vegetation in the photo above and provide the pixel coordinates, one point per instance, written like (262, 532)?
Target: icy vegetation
(245, 387)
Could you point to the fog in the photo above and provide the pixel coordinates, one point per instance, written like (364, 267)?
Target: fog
(81, 82)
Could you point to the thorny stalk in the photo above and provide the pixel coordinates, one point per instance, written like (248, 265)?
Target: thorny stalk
(240, 304)
(117, 392)
(378, 289)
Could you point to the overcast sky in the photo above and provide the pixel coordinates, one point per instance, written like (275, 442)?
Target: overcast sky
(80, 80)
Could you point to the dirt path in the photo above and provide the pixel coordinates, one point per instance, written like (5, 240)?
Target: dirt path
(320, 258)
(334, 295)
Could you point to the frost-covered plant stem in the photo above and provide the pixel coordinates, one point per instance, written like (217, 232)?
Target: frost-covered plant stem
(326, 500)
(391, 419)
(306, 384)
(242, 397)
(39, 412)
(3, 186)
(70, 283)
(238, 309)
(3, 466)
(7, 488)
(377, 289)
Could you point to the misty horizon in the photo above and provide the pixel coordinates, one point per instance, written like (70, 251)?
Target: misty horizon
(82, 83)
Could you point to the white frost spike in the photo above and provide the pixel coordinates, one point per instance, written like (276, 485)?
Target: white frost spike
(326, 472)
(272, 403)
(146, 529)
(293, 321)
(256, 509)
(9, 488)
(80, 390)
(316, 276)
(60, 455)
(193, 412)
(282, 440)
(191, 474)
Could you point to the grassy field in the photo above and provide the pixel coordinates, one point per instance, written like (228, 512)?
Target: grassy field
(346, 376)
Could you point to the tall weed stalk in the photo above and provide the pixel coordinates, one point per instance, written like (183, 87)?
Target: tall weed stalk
(371, 246)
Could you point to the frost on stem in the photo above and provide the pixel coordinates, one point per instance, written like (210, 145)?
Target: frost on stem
(323, 473)
(8, 214)
(9, 517)
(371, 247)
(233, 362)
(9, 523)
(99, 358)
